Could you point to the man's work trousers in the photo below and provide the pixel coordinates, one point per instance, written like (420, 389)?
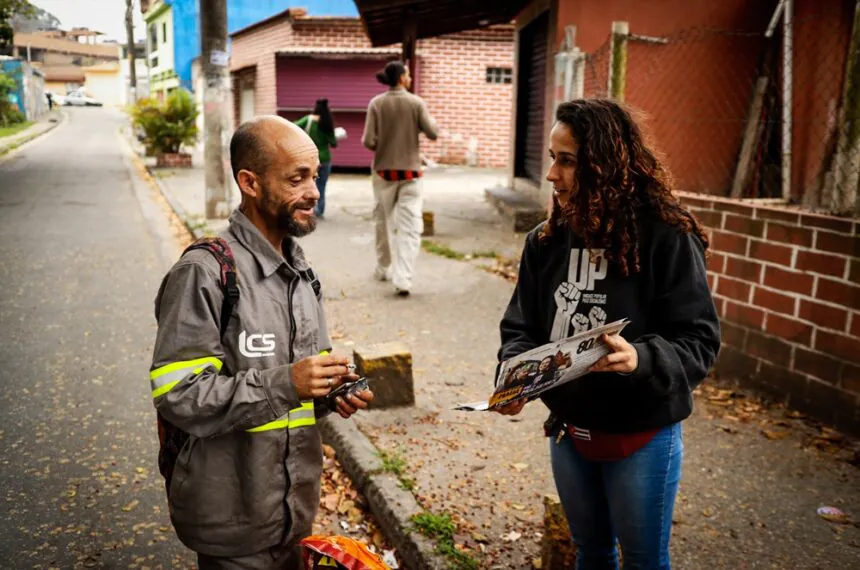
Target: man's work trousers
(399, 224)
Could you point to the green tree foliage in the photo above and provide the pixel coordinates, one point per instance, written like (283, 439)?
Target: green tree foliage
(8, 10)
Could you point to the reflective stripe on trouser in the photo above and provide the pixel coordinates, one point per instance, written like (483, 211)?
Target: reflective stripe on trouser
(163, 379)
(399, 224)
(295, 418)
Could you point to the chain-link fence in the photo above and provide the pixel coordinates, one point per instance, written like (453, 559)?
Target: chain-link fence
(715, 103)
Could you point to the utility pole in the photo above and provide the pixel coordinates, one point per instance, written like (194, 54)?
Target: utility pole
(213, 57)
(129, 33)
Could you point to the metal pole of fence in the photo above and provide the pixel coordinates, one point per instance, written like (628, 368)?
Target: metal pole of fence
(787, 80)
(845, 171)
(618, 60)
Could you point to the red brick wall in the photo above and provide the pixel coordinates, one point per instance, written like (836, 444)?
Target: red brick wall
(451, 79)
(787, 287)
(257, 48)
(453, 82)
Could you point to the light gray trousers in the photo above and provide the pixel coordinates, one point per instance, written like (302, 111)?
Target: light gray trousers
(399, 224)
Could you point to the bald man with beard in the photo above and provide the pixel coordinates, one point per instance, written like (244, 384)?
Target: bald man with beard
(237, 406)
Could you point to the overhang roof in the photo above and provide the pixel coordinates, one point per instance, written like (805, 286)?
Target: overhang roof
(384, 19)
(334, 52)
(69, 73)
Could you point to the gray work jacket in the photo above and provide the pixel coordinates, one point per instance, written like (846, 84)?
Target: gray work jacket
(248, 477)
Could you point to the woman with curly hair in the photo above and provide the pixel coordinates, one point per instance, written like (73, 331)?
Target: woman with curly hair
(617, 245)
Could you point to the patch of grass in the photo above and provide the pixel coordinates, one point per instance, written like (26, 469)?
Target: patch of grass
(444, 251)
(14, 129)
(196, 223)
(441, 528)
(407, 483)
(441, 249)
(393, 462)
(484, 255)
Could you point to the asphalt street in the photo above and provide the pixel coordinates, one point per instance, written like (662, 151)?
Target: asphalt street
(83, 245)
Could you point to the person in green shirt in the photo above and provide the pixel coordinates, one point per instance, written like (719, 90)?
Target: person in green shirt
(319, 125)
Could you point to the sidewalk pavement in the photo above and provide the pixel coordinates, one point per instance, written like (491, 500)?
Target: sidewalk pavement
(40, 127)
(754, 475)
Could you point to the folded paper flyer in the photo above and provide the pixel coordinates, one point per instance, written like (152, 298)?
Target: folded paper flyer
(546, 367)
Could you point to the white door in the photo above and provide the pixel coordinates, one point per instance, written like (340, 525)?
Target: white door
(246, 109)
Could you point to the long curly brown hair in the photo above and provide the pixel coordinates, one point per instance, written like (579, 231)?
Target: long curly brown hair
(620, 183)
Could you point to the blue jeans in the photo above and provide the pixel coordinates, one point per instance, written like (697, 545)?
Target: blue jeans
(631, 500)
(322, 180)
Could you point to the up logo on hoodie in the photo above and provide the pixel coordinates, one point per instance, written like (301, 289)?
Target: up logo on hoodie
(585, 268)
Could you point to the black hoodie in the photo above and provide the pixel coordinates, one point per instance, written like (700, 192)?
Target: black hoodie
(673, 325)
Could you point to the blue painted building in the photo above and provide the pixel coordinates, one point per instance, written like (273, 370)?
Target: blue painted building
(173, 32)
(29, 94)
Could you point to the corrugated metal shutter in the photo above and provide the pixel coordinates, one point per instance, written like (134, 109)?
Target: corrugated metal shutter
(531, 100)
(349, 152)
(348, 84)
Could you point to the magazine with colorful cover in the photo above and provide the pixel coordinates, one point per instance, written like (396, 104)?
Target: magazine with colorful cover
(543, 368)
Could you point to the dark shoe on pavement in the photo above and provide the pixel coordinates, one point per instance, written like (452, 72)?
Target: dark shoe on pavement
(402, 292)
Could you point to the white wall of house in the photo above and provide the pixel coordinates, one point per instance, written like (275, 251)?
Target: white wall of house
(105, 87)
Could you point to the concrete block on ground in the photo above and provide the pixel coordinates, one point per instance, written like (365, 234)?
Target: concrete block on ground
(523, 212)
(388, 367)
(557, 549)
(429, 224)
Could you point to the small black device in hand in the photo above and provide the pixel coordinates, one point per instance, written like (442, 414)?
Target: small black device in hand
(349, 388)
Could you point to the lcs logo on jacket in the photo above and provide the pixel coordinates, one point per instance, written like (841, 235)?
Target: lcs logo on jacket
(257, 345)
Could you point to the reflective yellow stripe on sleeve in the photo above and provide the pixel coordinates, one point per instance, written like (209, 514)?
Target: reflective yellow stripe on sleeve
(295, 418)
(163, 379)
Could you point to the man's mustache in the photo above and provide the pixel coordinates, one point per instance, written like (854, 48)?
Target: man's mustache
(302, 206)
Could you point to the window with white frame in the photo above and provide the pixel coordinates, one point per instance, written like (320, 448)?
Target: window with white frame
(500, 75)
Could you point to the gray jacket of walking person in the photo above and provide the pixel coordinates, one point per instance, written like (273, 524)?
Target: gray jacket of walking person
(248, 475)
(394, 121)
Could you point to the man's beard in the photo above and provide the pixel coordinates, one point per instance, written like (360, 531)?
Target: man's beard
(285, 217)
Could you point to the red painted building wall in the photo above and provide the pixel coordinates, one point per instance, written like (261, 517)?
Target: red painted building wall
(695, 91)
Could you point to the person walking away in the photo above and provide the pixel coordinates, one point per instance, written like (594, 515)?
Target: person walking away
(617, 244)
(238, 392)
(394, 121)
(319, 125)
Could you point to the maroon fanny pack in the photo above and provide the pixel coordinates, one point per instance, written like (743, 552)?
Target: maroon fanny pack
(597, 446)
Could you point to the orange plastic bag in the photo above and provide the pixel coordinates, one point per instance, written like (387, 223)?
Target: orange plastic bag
(339, 553)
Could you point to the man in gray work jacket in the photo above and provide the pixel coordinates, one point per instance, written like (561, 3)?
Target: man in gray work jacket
(238, 411)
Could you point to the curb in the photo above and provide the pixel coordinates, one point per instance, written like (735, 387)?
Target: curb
(27, 138)
(196, 231)
(392, 506)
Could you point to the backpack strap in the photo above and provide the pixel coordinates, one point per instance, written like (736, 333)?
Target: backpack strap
(229, 277)
(315, 281)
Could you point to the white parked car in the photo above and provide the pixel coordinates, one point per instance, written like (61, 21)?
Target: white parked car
(81, 99)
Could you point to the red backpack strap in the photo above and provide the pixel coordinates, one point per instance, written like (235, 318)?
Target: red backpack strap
(219, 248)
